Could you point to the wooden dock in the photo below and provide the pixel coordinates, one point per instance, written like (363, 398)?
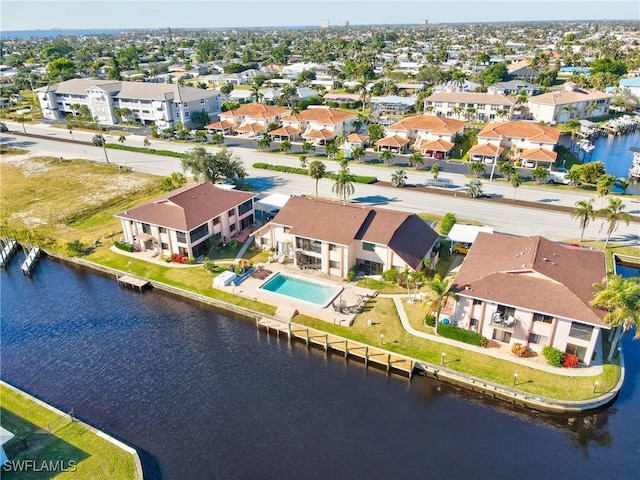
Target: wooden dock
(370, 355)
(30, 263)
(133, 282)
(8, 249)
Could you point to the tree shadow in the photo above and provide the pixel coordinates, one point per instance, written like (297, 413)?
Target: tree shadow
(549, 200)
(264, 183)
(375, 200)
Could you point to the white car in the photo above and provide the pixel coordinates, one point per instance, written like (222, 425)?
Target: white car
(558, 177)
(528, 164)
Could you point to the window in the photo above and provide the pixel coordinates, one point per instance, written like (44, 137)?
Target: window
(216, 221)
(165, 246)
(186, 104)
(245, 207)
(580, 331)
(231, 213)
(286, 229)
(539, 317)
(163, 230)
(538, 339)
(186, 114)
(332, 247)
(181, 237)
(477, 301)
(177, 115)
(308, 245)
(370, 247)
(146, 228)
(202, 102)
(502, 336)
(199, 232)
(578, 351)
(334, 264)
(369, 267)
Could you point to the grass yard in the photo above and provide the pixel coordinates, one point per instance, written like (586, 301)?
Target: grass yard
(385, 320)
(51, 437)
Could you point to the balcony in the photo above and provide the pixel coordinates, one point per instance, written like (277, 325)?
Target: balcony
(507, 322)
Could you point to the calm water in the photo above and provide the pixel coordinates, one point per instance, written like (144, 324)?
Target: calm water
(201, 394)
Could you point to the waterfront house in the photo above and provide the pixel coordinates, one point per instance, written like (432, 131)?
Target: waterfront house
(334, 237)
(572, 102)
(485, 107)
(317, 124)
(531, 143)
(431, 135)
(181, 221)
(161, 104)
(248, 120)
(532, 291)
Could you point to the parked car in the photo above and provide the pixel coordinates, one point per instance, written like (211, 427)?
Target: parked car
(561, 170)
(528, 164)
(558, 177)
(461, 248)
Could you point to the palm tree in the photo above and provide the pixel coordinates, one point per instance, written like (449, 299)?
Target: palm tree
(331, 149)
(386, 156)
(285, 146)
(263, 143)
(307, 147)
(575, 177)
(255, 92)
(621, 297)
(539, 174)
(622, 183)
(613, 214)
(399, 178)
(516, 181)
(415, 159)
(364, 93)
(201, 136)
(122, 139)
(506, 169)
(457, 111)
(435, 170)
(474, 188)
(303, 161)
(316, 171)
(358, 153)
(343, 186)
(605, 184)
(585, 213)
(476, 168)
(440, 289)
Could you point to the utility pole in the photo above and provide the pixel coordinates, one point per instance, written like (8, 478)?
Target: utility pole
(495, 159)
(104, 141)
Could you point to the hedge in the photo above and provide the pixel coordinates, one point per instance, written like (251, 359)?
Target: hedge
(152, 151)
(462, 335)
(124, 246)
(303, 171)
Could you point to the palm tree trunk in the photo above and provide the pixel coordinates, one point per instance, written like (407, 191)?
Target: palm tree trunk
(316, 187)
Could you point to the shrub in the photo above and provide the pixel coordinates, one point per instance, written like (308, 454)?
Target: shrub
(462, 335)
(351, 275)
(448, 222)
(519, 350)
(570, 361)
(166, 259)
(430, 320)
(209, 265)
(152, 151)
(191, 261)
(390, 275)
(124, 246)
(176, 257)
(75, 247)
(553, 355)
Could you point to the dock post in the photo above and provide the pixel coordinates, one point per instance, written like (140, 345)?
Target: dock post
(257, 323)
(289, 329)
(307, 336)
(388, 362)
(410, 369)
(326, 342)
(346, 348)
(366, 356)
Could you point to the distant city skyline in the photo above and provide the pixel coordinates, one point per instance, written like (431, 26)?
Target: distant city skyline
(153, 14)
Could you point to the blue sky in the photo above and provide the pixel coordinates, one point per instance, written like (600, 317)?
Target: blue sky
(96, 14)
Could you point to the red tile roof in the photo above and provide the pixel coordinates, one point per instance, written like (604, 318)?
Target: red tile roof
(252, 128)
(535, 274)
(533, 132)
(394, 141)
(436, 145)
(287, 131)
(257, 111)
(428, 123)
(326, 116)
(485, 149)
(188, 207)
(323, 134)
(539, 154)
(223, 125)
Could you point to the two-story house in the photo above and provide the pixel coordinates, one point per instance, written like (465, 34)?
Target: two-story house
(484, 107)
(181, 221)
(431, 135)
(317, 125)
(249, 120)
(532, 291)
(531, 143)
(334, 237)
(150, 103)
(570, 103)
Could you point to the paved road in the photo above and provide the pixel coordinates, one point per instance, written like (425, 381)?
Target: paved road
(504, 218)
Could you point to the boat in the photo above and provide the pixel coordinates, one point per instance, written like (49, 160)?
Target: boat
(586, 145)
(634, 171)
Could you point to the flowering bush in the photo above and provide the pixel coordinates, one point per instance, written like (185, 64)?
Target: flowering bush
(519, 350)
(570, 361)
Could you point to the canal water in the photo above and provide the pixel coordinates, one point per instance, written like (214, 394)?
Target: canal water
(202, 394)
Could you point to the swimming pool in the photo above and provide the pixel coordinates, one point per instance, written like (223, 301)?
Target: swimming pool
(317, 293)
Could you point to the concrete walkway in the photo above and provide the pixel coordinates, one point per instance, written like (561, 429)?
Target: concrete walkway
(404, 319)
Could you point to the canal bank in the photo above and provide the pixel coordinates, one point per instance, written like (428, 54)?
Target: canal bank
(381, 358)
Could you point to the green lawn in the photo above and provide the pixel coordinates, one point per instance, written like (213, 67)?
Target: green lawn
(51, 437)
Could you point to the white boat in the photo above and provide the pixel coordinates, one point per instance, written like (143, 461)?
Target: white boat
(586, 145)
(634, 171)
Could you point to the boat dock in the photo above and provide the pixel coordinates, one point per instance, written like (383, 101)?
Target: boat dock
(9, 247)
(378, 357)
(131, 281)
(32, 259)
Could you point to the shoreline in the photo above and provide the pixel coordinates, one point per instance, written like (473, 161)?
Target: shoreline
(438, 372)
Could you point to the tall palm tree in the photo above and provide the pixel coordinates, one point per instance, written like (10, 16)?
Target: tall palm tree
(516, 181)
(386, 156)
(621, 297)
(364, 93)
(358, 153)
(506, 169)
(605, 183)
(399, 178)
(474, 188)
(435, 170)
(416, 159)
(317, 170)
(613, 214)
(476, 168)
(585, 213)
(255, 92)
(440, 289)
(343, 186)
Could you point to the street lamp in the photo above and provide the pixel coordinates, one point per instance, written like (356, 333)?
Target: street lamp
(595, 386)
(515, 379)
(495, 159)
(104, 140)
(381, 339)
(443, 355)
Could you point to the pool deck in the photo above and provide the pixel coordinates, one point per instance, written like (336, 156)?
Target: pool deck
(350, 297)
